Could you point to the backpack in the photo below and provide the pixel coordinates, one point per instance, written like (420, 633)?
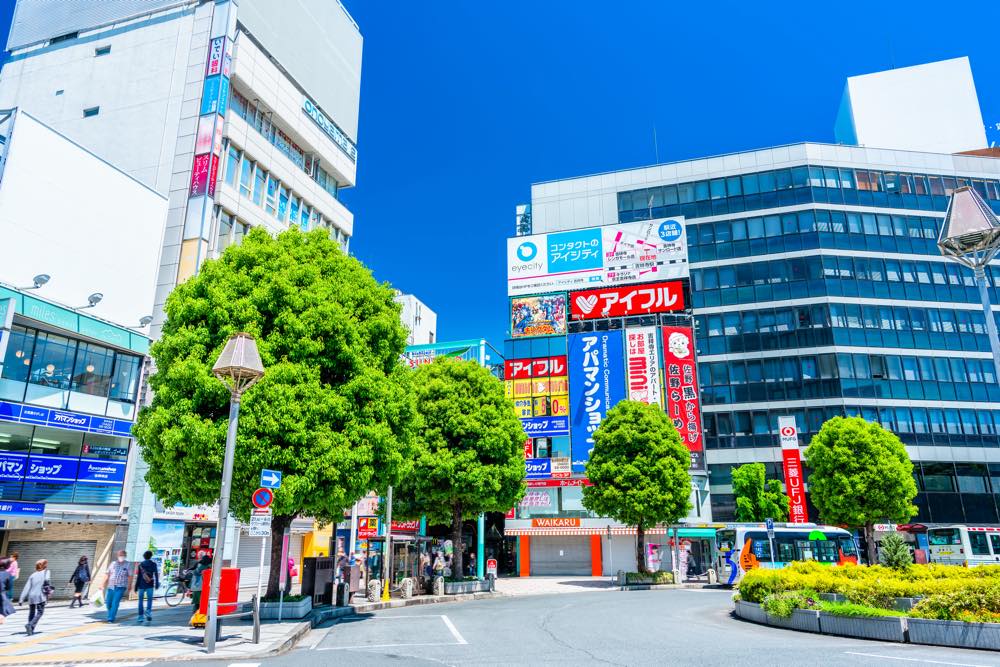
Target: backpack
(147, 578)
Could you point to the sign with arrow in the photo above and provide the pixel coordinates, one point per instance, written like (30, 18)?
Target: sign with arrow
(270, 479)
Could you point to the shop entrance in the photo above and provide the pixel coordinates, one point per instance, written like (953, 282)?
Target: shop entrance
(63, 557)
(553, 555)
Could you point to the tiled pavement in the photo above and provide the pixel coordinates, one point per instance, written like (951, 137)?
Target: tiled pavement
(549, 585)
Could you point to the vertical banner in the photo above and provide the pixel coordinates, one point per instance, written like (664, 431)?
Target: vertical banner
(596, 384)
(682, 390)
(643, 364)
(788, 436)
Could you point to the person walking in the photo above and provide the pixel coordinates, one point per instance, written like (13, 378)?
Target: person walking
(117, 584)
(14, 569)
(36, 591)
(203, 565)
(146, 581)
(6, 590)
(290, 572)
(79, 579)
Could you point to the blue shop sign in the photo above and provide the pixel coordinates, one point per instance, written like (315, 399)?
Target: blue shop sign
(538, 427)
(52, 469)
(98, 471)
(22, 509)
(17, 466)
(12, 465)
(538, 468)
(28, 414)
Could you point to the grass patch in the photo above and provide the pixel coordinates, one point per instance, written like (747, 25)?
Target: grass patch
(855, 610)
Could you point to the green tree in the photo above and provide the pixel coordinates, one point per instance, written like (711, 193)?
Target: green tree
(334, 411)
(639, 471)
(895, 552)
(470, 458)
(758, 498)
(861, 475)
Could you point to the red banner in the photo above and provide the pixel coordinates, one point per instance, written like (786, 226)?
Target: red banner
(681, 377)
(517, 369)
(794, 486)
(623, 301)
(557, 482)
(405, 526)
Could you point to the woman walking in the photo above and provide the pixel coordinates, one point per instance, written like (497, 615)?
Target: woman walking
(15, 571)
(6, 590)
(79, 579)
(36, 591)
(203, 566)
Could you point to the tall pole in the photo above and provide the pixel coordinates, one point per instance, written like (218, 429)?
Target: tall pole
(220, 526)
(991, 323)
(387, 556)
(354, 530)
(480, 545)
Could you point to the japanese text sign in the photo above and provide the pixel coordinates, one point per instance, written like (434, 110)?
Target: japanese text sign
(597, 383)
(680, 374)
(643, 365)
(624, 301)
(517, 369)
(788, 435)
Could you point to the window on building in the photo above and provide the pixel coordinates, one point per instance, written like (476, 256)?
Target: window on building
(232, 165)
(20, 349)
(92, 371)
(102, 50)
(52, 365)
(259, 185)
(90, 112)
(246, 176)
(125, 378)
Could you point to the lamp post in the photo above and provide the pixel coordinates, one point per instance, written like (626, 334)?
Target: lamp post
(239, 367)
(970, 235)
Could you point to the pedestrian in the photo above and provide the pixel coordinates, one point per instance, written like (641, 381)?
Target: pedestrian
(36, 591)
(203, 566)
(79, 579)
(146, 581)
(472, 564)
(291, 572)
(14, 569)
(117, 583)
(438, 565)
(6, 590)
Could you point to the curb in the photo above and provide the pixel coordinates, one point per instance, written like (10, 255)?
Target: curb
(664, 587)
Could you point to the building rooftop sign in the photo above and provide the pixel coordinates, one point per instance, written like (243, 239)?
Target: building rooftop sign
(331, 129)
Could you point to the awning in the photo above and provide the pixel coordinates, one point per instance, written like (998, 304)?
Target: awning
(539, 532)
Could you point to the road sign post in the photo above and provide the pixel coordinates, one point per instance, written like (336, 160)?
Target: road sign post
(270, 479)
(260, 526)
(769, 523)
(262, 498)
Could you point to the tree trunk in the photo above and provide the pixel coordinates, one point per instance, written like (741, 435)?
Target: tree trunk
(640, 549)
(456, 541)
(278, 525)
(870, 543)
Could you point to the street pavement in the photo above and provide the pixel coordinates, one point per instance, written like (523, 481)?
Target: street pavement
(677, 627)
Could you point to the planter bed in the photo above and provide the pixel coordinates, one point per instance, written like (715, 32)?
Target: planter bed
(804, 620)
(289, 610)
(886, 628)
(461, 587)
(751, 611)
(955, 633)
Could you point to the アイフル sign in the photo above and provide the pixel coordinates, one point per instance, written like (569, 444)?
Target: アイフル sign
(625, 301)
(788, 435)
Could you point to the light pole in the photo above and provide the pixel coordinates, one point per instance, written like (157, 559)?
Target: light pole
(970, 234)
(239, 367)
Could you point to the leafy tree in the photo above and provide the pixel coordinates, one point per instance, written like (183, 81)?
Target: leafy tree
(895, 552)
(861, 474)
(471, 457)
(758, 498)
(639, 471)
(334, 411)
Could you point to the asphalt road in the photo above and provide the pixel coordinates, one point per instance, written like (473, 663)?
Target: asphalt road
(677, 627)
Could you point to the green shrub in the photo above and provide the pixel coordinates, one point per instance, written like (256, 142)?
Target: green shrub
(977, 602)
(856, 610)
(894, 552)
(658, 577)
(783, 604)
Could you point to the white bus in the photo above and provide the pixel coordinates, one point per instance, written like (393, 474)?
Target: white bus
(964, 545)
(745, 546)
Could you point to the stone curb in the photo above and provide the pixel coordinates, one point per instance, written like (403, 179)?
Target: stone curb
(658, 587)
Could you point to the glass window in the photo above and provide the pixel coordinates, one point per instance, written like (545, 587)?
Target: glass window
(246, 176)
(20, 348)
(92, 373)
(125, 379)
(750, 184)
(56, 442)
(52, 365)
(232, 165)
(259, 183)
(980, 543)
(271, 202)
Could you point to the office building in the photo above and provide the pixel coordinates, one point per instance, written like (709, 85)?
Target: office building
(419, 320)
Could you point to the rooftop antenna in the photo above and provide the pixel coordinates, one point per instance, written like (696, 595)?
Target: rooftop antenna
(656, 147)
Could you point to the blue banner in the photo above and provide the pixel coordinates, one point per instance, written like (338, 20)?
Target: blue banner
(97, 471)
(9, 508)
(73, 421)
(596, 383)
(52, 469)
(538, 468)
(12, 465)
(540, 427)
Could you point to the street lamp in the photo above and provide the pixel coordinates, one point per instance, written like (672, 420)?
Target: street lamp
(239, 367)
(970, 234)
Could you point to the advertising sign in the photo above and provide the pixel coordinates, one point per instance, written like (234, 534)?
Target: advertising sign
(538, 315)
(555, 522)
(406, 526)
(22, 509)
(625, 301)
(597, 383)
(537, 427)
(635, 252)
(26, 414)
(682, 389)
(216, 52)
(518, 369)
(643, 363)
(537, 468)
(537, 499)
(367, 527)
(542, 483)
(529, 450)
(788, 435)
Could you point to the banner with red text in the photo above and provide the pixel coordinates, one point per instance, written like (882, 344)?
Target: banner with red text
(681, 377)
(642, 366)
(625, 301)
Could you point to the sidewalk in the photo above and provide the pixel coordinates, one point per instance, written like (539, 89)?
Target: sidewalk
(77, 635)
(518, 586)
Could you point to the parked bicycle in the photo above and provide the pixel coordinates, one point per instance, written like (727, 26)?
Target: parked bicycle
(178, 589)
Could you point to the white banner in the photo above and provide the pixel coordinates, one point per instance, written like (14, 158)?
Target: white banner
(643, 366)
(635, 252)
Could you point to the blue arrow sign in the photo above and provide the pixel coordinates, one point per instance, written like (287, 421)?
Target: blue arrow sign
(270, 479)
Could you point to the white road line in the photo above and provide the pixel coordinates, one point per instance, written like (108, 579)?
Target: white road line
(244, 664)
(454, 631)
(366, 646)
(931, 662)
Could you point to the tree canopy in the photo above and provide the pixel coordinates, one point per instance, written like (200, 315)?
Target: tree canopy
(638, 471)
(470, 457)
(758, 498)
(333, 412)
(861, 475)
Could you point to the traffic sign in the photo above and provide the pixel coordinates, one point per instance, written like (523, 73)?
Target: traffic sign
(491, 566)
(262, 498)
(270, 479)
(260, 525)
(769, 523)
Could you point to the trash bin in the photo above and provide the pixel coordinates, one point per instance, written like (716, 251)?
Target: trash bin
(343, 595)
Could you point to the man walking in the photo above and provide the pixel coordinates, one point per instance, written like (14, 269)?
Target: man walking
(147, 580)
(116, 584)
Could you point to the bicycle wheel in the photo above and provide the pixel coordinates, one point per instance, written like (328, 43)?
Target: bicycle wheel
(173, 595)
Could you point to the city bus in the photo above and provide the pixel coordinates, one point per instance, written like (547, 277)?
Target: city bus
(743, 547)
(964, 545)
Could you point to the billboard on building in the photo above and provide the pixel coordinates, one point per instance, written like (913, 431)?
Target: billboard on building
(539, 387)
(596, 383)
(643, 366)
(681, 375)
(635, 252)
(625, 301)
(538, 315)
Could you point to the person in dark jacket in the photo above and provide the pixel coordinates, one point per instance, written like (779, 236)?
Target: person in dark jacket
(197, 580)
(6, 590)
(80, 578)
(147, 580)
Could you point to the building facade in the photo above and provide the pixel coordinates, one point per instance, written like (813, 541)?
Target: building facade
(419, 320)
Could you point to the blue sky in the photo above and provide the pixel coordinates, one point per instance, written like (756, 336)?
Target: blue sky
(465, 104)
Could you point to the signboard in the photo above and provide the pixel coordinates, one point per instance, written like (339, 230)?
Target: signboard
(18, 466)
(529, 450)
(262, 498)
(625, 301)
(519, 369)
(642, 361)
(491, 567)
(367, 527)
(635, 252)
(216, 52)
(537, 499)
(538, 315)
(8, 508)
(788, 434)
(555, 522)
(538, 427)
(596, 382)
(884, 527)
(681, 378)
(769, 524)
(27, 414)
(270, 479)
(260, 525)
(405, 526)
(331, 129)
(540, 483)
(537, 468)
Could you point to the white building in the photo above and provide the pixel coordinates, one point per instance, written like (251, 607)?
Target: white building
(418, 319)
(930, 108)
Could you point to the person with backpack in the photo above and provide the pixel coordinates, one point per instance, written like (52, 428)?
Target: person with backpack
(79, 579)
(146, 582)
(37, 591)
(116, 584)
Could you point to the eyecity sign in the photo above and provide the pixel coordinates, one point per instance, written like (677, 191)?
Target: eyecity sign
(331, 129)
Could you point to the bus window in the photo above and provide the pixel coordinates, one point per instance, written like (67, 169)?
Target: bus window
(761, 548)
(847, 546)
(805, 549)
(980, 545)
(825, 551)
(726, 539)
(943, 536)
(995, 540)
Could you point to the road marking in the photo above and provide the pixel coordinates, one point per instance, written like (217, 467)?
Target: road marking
(244, 664)
(932, 662)
(454, 631)
(366, 646)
